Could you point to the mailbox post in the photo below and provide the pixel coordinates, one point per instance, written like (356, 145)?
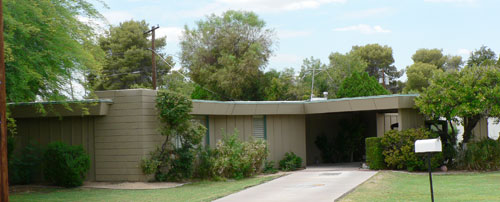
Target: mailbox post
(429, 146)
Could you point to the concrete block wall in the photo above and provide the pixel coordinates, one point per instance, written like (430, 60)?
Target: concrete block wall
(125, 135)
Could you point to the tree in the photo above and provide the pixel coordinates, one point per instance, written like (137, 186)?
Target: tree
(360, 84)
(322, 82)
(47, 47)
(128, 57)
(430, 56)
(177, 81)
(227, 54)
(418, 76)
(482, 57)
(464, 96)
(380, 62)
(453, 63)
(280, 85)
(343, 65)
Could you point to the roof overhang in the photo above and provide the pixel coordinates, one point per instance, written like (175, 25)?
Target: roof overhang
(370, 103)
(60, 109)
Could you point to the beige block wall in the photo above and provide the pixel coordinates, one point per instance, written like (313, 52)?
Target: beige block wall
(285, 133)
(125, 135)
(481, 130)
(384, 122)
(70, 130)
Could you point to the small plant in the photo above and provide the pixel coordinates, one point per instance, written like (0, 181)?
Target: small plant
(290, 162)
(269, 168)
(374, 153)
(483, 155)
(399, 150)
(65, 165)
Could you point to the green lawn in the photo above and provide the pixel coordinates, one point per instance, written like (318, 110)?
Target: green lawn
(198, 191)
(394, 186)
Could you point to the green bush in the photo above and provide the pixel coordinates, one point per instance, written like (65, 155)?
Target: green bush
(22, 169)
(374, 153)
(232, 158)
(269, 167)
(399, 150)
(65, 165)
(483, 155)
(205, 163)
(171, 161)
(290, 162)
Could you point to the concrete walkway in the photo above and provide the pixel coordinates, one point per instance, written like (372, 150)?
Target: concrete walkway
(323, 183)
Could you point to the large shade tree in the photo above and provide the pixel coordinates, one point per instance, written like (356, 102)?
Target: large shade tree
(418, 76)
(380, 62)
(227, 54)
(464, 96)
(48, 47)
(128, 61)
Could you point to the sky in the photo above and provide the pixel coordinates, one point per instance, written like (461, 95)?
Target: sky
(306, 28)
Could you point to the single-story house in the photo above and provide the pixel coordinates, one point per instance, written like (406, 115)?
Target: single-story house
(120, 128)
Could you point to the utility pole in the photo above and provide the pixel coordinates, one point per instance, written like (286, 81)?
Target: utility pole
(4, 176)
(153, 61)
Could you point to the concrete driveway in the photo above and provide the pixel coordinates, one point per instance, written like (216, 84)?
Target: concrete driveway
(322, 183)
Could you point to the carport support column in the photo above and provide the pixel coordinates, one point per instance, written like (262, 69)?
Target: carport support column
(409, 118)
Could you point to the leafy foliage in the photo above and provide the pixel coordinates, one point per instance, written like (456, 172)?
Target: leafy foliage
(128, 57)
(399, 150)
(380, 61)
(290, 162)
(228, 62)
(483, 155)
(360, 84)
(65, 165)
(22, 169)
(269, 167)
(429, 56)
(171, 161)
(464, 97)
(233, 158)
(46, 46)
(279, 85)
(419, 75)
(374, 153)
(482, 57)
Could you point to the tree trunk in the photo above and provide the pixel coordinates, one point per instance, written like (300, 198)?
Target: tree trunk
(469, 125)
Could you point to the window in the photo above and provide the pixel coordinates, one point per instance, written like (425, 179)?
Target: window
(259, 127)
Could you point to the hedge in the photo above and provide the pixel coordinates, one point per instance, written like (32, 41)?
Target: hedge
(374, 155)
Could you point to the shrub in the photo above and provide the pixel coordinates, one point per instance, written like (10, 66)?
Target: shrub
(269, 167)
(170, 161)
(290, 162)
(483, 155)
(65, 165)
(232, 158)
(399, 150)
(374, 153)
(22, 169)
(205, 163)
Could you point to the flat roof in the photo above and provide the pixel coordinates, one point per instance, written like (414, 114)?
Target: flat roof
(368, 103)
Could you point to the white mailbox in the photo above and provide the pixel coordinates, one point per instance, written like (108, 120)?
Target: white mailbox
(428, 145)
